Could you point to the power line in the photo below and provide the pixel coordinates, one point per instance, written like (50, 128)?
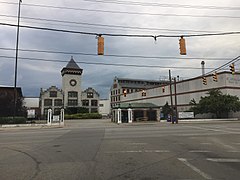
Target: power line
(107, 64)
(122, 35)
(105, 25)
(118, 55)
(135, 3)
(127, 12)
(224, 65)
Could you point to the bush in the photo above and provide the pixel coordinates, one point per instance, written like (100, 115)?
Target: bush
(10, 120)
(83, 116)
(76, 110)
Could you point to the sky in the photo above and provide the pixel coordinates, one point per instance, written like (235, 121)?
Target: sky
(37, 68)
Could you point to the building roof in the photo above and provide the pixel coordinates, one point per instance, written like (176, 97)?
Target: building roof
(72, 64)
(72, 68)
(10, 88)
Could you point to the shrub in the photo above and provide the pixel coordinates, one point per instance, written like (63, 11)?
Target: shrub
(83, 116)
(10, 120)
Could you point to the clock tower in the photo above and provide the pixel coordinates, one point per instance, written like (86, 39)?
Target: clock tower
(71, 84)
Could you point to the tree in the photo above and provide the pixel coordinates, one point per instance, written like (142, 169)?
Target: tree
(216, 103)
(166, 109)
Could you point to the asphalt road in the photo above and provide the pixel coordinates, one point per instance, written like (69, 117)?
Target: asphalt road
(99, 149)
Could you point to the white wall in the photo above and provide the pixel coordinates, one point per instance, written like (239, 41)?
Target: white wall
(188, 90)
(104, 107)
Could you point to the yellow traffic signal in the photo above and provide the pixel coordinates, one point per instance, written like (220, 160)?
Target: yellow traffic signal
(215, 78)
(232, 68)
(144, 93)
(182, 46)
(204, 79)
(125, 93)
(100, 45)
(163, 89)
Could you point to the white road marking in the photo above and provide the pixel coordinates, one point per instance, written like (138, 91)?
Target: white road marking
(199, 151)
(216, 130)
(204, 175)
(140, 151)
(224, 160)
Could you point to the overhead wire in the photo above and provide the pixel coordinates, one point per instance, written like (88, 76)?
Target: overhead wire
(107, 25)
(117, 55)
(164, 5)
(106, 64)
(236, 59)
(122, 35)
(127, 12)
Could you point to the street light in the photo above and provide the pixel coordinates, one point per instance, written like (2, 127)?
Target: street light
(16, 61)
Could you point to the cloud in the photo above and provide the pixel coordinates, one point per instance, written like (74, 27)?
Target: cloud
(35, 74)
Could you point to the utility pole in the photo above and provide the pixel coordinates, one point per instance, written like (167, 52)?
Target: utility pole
(16, 61)
(170, 80)
(175, 92)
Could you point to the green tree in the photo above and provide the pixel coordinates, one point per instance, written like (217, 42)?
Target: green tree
(166, 109)
(216, 103)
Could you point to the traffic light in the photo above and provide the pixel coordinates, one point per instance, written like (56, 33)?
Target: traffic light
(124, 92)
(215, 78)
(163, 89)
(144, 93)
(100, 45)
(232, 68)
(182, 46)
(204, 80)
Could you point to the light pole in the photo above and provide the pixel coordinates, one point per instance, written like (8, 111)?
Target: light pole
(16, 61)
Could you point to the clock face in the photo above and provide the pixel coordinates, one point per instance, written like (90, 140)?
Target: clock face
(73, 82)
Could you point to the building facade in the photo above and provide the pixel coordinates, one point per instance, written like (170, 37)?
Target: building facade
(90, 100)
(122, 87)
(51, 98)
(187, 90)
(71, 94)
(71, 84)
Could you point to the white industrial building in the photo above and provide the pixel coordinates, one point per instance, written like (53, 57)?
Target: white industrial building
(186, 90)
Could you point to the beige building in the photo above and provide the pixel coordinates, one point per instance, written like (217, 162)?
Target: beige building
(90, 100)
(71, 84)
(186, 90)
(128, 86)
(71, 94)
(51, 98)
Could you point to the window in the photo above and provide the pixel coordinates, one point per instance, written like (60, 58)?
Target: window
(45, 111)
(94, 102)
(72, 102)
(57, 111)
(90, 95)
(47, 102)
(53, 94)
(101, 105)
(72, 94)
(85, 102)
(57, 102)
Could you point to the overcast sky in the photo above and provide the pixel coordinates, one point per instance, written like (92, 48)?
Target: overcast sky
(139, 17)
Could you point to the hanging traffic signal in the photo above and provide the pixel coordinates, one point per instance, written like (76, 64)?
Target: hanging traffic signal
(215, 78)
(182, 46)
(232, 68)
(204, 79)
(144, 93)
(124, 92)
(100, 45)
(163, 89)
